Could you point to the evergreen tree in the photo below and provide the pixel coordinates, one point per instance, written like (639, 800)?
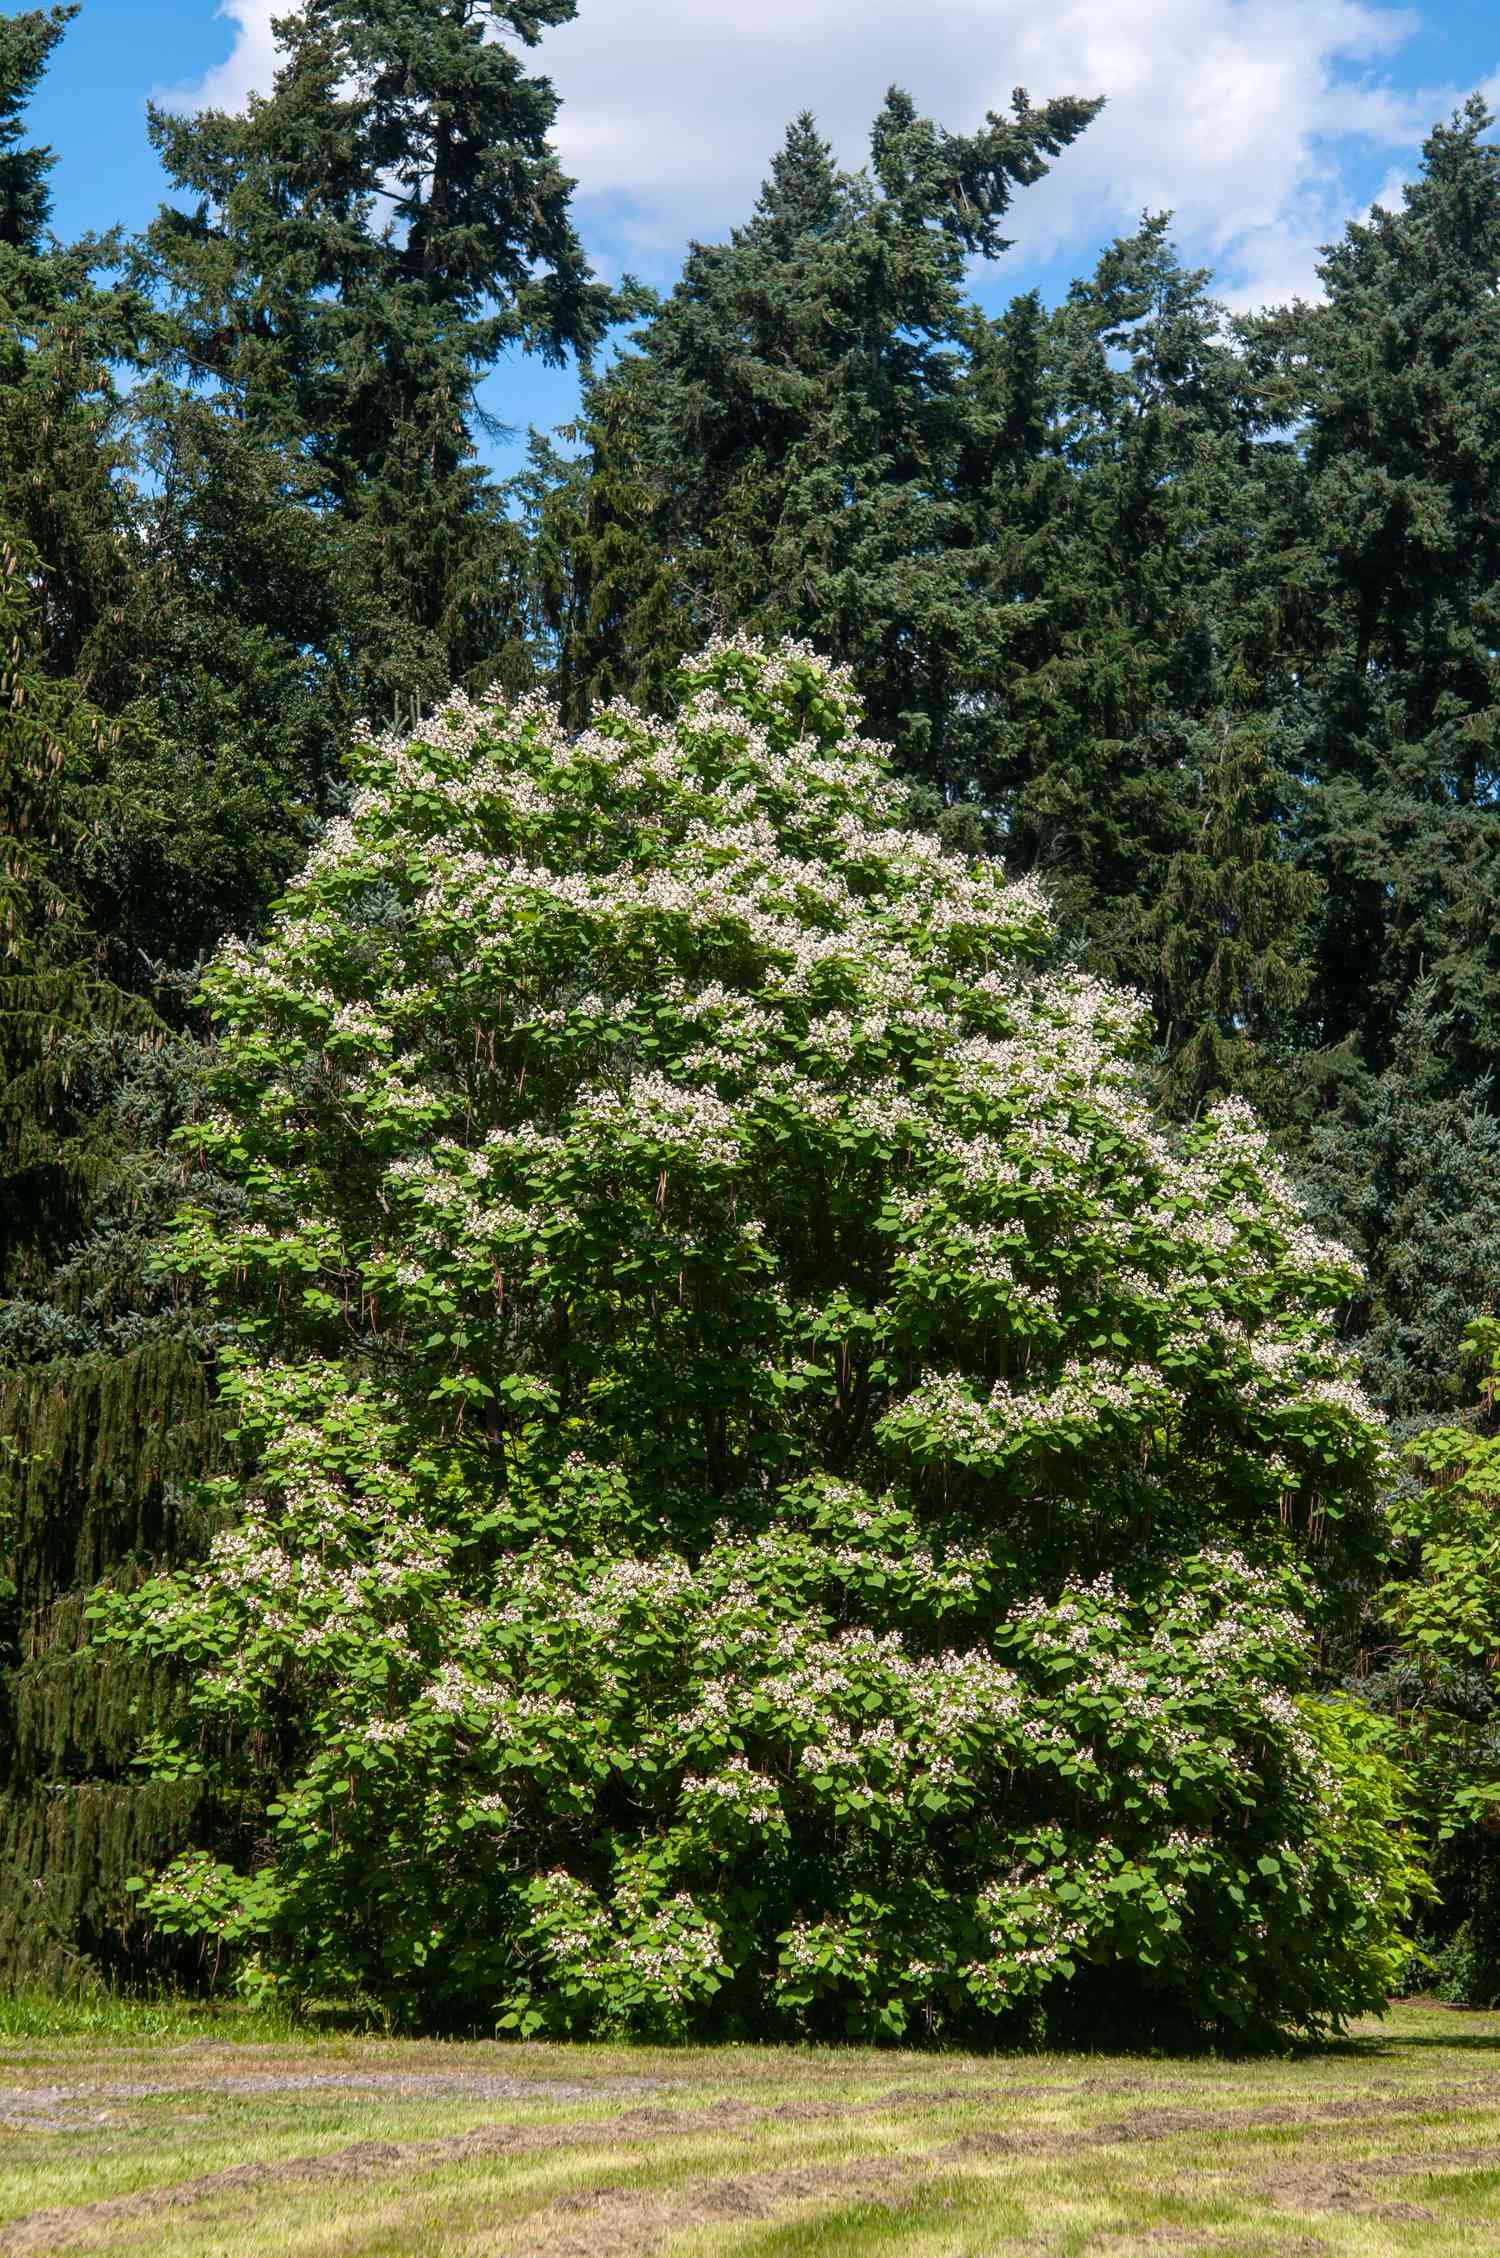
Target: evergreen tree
(26, 41)
(602, 610)
(792, 420)
(1390, 561)
(1407, 1172)
(55, 991)
(102, 1392)
(1128, 735)
(239, 699)
(367, 242)
(66, 330)
(145, 802)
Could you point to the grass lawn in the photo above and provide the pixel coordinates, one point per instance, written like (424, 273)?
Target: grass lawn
(185, 2139)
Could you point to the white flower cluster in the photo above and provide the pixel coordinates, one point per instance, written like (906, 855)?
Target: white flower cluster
(628, 1127)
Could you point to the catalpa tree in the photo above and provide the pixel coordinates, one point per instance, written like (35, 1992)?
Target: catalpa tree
(773, 1497)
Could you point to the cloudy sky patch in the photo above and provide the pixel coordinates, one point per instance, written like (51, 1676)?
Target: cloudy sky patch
(1261, 123)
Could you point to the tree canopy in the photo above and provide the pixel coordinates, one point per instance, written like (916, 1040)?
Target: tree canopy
(1183, 622)
(772, 1491)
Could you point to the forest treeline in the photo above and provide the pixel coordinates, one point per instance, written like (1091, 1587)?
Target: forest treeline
(1191, 618)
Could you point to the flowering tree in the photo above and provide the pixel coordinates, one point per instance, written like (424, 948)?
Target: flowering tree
(773, 1495)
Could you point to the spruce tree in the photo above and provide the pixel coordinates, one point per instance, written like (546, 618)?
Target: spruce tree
(26, 42)
(125, 847)
(102, 1390)
(68, 327)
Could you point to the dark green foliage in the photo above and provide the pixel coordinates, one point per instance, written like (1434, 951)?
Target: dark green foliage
(1130, 736)
(366, 243)
(240, 704)
(65, 335)
(1389, 569)
(1405, 1168)
(95, 1453)
(26, 41)
(55, 996)
(76, 1817)
(605, 613)
(1387, 556)
(787, 432)
(103, 1401)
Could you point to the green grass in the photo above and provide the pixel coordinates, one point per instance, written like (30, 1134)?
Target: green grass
(171, 2131)
(106, 2015)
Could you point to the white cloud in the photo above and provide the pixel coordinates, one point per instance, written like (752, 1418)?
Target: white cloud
(1248, 118)
(246, 69)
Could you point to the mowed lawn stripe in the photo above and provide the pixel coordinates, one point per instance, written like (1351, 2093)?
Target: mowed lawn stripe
(1386, 2144)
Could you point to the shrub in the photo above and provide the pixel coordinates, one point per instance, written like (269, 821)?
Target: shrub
(1437, 1675)
(773, 1496)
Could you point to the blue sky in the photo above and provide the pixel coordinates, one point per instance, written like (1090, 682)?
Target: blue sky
(1264, 124)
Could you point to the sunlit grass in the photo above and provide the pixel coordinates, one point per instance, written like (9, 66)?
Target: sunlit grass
(163, 2130)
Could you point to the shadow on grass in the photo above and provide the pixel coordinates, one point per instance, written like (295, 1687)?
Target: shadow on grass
(1442, 2030)
(1413, 2042)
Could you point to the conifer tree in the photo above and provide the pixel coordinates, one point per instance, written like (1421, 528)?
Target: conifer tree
(367, 242)
(602, 610)
(102, 1392)
(1387, 561)
(66, 330)
(1405, 1169)
(26, 41)
(185, 584)
(54, 990)
(122, 850)
(1127, 734)
(792, 419)
(1390, 562)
